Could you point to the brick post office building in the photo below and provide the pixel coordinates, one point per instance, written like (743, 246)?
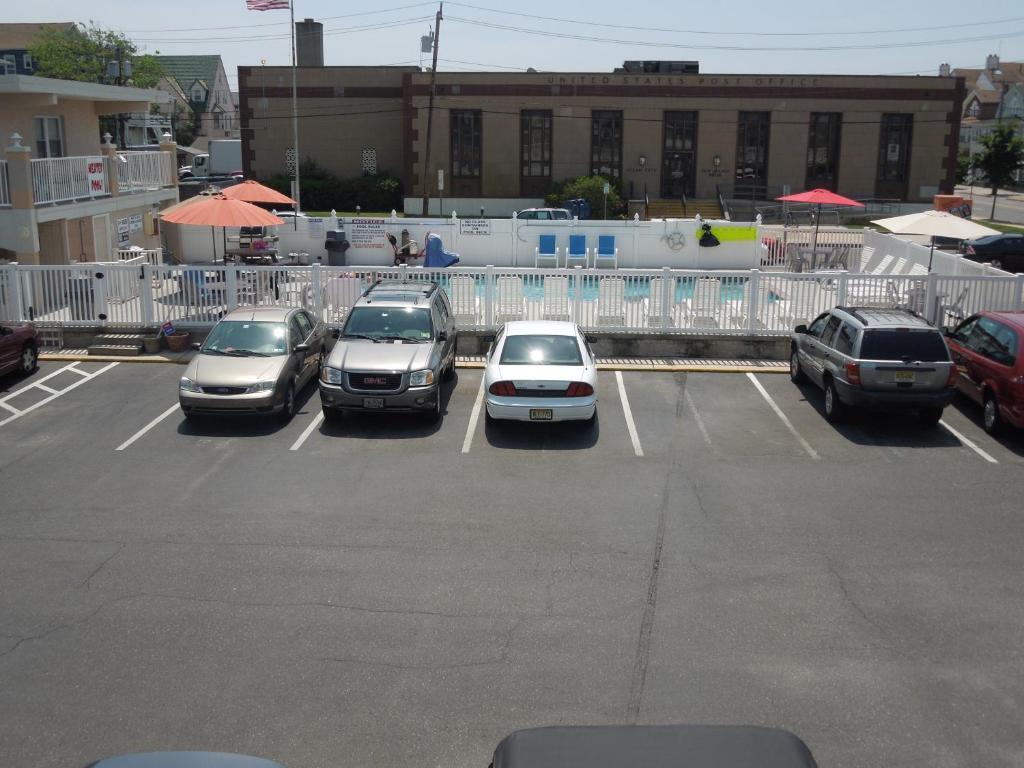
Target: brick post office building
(505, 138)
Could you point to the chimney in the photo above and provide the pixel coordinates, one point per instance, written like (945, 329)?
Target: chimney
(309, 43)
(944, 70)
(992, 62)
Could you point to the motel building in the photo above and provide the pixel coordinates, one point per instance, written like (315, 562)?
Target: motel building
(660, 129)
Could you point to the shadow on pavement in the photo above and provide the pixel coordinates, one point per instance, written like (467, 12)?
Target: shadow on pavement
(389, 426)
(250, 425)
(535, 436)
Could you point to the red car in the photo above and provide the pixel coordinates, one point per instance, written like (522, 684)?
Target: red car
(19, 348)
(988, 349)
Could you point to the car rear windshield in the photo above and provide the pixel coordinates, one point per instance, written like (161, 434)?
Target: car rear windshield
(541, 350)
(245, 337)
(410, 323)
(926, 346)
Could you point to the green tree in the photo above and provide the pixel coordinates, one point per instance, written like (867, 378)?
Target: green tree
(84, 52)
(963, 167)
(591, 188)
(1002, 156)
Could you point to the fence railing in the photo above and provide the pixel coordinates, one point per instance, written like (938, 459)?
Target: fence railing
(777, 242)
(139, 171)
(60, 179)
(5, 185)
(643, 301)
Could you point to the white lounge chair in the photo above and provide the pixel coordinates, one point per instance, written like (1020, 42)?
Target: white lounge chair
(705, 308)
(740, 311)
(462, 292)
(658, 312)
(954, 313)
(510, 299)
(556, 298)
(340, 293)
(611, 301)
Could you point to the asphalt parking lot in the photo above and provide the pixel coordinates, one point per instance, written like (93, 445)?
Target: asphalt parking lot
(386, 592)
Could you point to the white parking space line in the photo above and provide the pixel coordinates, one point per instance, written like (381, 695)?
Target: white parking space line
(473, 417)
(10, 408)
(73, 369)
(630, 424)
(146, 428)
(785, 419)
(317, 420)
(697, 417)
(969, 443)
(55, 394)
(45, 388)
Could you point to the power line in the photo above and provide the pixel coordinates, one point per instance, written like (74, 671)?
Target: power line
(762, 48)
(720, 33)
(287, 35)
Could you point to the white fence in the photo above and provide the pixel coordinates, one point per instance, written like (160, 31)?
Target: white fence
(140, 171)
(59, 179)
(5, 185)
(778, 242)
(885, 254)
(642, 301)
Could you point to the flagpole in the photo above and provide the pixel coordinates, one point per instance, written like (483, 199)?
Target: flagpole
(295, 121)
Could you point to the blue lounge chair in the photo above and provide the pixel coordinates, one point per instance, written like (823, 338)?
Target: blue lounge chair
(578, 252)
(546, 251)
(606, 252)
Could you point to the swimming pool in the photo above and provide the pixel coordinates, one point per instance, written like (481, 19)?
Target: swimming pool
(637, 288)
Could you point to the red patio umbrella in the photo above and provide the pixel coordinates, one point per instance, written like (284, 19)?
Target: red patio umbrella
(253, 192)
(821, 197)
(220, 211)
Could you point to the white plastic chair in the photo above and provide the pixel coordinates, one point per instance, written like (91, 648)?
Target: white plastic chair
(611, 301)
(462, 292)
(556, 298)
(705, 307)
(658, 313)
(340, 294)
(510, 299)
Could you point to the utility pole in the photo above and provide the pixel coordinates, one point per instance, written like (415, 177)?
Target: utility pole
(295, 123)
(430, 112)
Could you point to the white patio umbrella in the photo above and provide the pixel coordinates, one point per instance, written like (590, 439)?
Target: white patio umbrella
(934, 224)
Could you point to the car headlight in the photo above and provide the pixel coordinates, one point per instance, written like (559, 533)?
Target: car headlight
(263, 386)
(421, 378)
(330, 375)
(188, 385)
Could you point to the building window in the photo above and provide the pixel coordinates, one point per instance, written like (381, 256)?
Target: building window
(534, 152)
(218, 117)
(26, 61)
(370, 161)
(466, 143)
(606, 144)
(894, 148)
(823, 149)
(679, 142)
(974, 109)
(49, 137)
(198, 93)
(10, 66)
(752, 132)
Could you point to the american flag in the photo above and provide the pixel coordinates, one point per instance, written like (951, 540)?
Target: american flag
(266, 5)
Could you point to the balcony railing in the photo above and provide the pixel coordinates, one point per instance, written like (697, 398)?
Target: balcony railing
(63, 179)
(5, 185)
(139, 171)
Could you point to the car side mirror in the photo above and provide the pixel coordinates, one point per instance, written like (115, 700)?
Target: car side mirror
(6, 331)
(800, 329)
(196, 345)
(442, 336)
(302, 348)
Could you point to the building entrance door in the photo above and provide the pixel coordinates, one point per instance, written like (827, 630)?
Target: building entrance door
(677, 175)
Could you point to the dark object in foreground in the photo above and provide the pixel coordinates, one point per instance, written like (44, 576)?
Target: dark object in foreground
(185, 760)
(653, 746)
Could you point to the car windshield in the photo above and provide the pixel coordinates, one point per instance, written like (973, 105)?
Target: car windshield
(541, 350)
(245, 337)
(926, 346)
(411, 323)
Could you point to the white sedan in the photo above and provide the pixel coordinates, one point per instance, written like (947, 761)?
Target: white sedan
(541, 371)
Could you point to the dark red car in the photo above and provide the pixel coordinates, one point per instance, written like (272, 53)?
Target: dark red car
(19, 347)
(988, 349)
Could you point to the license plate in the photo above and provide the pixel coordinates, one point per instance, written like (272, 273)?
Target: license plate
(540, 414)
(904, 377)
(373, 402)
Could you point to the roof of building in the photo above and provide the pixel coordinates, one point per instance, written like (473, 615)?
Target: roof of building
(187, 69)
(21, 36)
(82, 91)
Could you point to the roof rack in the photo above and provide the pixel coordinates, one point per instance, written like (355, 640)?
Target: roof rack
(425, 288)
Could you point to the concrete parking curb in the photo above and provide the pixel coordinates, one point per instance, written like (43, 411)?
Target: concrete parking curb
(648, 364)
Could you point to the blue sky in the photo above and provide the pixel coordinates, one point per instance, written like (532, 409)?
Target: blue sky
(227, 28)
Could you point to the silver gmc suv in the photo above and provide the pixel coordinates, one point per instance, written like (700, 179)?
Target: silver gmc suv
(397, 344)
(888, 358)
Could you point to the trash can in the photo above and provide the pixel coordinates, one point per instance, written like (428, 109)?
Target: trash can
(80, 297)
(336, 245)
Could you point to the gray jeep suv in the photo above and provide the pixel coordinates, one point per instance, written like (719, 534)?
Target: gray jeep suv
(397, 344)
(886, 358)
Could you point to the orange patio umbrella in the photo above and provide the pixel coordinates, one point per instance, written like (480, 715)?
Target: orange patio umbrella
(254, 192)
(219, 211)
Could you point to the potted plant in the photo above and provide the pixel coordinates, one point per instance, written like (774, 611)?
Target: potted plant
(178, 341)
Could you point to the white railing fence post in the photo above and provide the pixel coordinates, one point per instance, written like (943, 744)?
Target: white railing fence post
(1018, 293)
(99, 288)
(666, 297)
(842, 286)
(146, 294)
(929, 297)
(577, 288)
(315, 285)
(403, 271)
(14, 295)
(489, 296)
(753, 296)
(231, 286)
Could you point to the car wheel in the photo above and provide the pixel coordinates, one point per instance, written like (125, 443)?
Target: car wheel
(434, 414)
(929, 416)
(796, 373)
(834, 408)
(991, 419)
(488, 419)
(449, 372)
(29, 360)
(288, 408)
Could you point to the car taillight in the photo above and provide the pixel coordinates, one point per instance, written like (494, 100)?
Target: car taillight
(953, 372)
(579, 389)
(503, 389)
(853, 373)
(970, 250)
